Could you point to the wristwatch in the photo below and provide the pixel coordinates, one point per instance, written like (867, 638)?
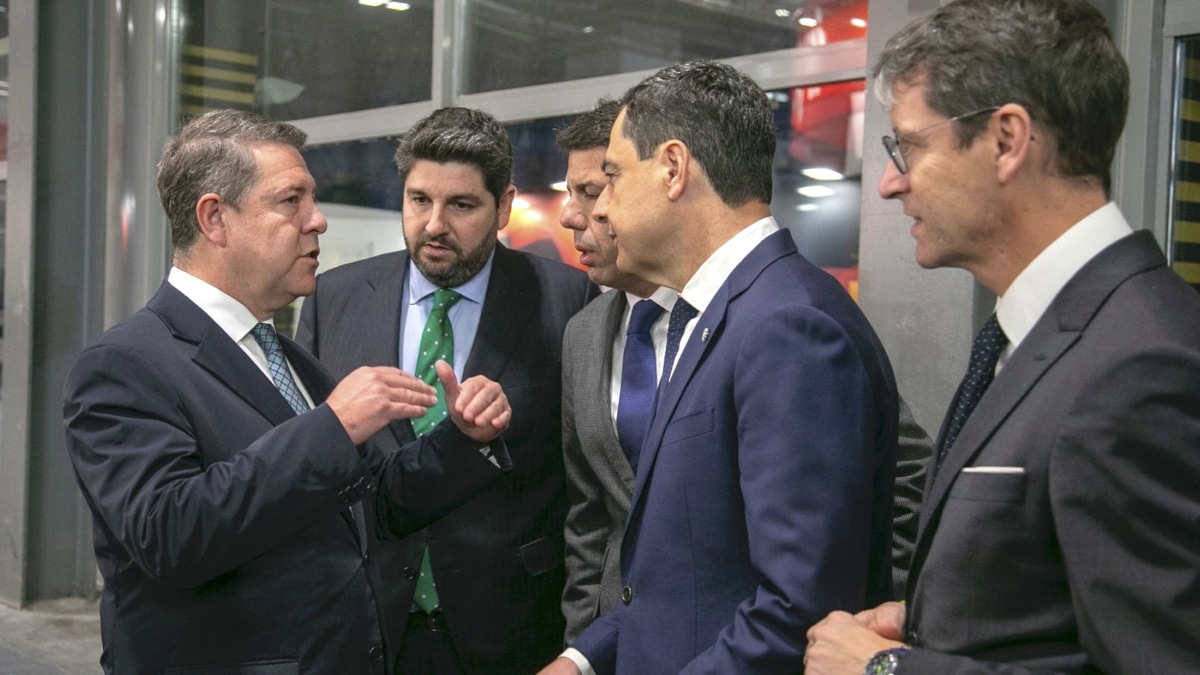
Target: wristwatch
(885, 662)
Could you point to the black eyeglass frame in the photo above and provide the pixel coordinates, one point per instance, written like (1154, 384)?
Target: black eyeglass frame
(892, 143)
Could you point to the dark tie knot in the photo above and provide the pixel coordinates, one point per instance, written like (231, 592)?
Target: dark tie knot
(681, 314)
(644, 314)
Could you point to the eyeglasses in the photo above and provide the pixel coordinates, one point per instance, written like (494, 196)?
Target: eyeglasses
(893, 145)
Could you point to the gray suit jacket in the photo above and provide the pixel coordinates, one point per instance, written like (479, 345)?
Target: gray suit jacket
(1083, 554)
(599, 478)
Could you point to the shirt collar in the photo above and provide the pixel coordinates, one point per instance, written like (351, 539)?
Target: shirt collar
(474, 289)
(1037, 285)
(703, 286)
(663, 296)
(230, 315)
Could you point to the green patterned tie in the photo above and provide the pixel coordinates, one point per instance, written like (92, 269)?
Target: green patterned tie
(437, 342)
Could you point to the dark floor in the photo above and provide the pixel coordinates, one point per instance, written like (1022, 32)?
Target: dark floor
(60, 637)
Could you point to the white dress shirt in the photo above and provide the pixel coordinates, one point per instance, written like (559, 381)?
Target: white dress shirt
(1040, 282)
(663, 297)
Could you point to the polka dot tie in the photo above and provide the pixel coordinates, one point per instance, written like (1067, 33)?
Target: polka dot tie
(264, 335)
(437, 343)
(637, 380)
(681, 314)
(984, 353)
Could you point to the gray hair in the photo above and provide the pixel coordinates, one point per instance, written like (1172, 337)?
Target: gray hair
(214, 153)
(1054, 57)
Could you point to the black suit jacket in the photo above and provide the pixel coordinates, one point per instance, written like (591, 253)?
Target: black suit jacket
(223, 524)
(1062, 533)
(497, 559)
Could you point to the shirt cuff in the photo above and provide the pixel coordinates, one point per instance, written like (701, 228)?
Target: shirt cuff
(578, 659)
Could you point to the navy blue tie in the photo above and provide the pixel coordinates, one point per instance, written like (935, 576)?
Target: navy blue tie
(681, 314)
(637, 380)
(984, 354)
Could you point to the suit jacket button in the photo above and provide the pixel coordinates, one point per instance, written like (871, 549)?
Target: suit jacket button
(627, 595)
(410, 573)
(375, 654)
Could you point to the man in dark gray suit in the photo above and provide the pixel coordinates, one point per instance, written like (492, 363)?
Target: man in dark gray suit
(478, 591)
(599, 474)
(1061, 531)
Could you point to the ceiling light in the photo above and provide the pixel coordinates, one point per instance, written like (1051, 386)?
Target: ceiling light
(808, 22)
(858, 23)
(807, 207)
(822, 173)
(520, 203)
(589, 29)
(783, 13)
(815, 191)
(399, 6)
(372, 3)
(560, 186)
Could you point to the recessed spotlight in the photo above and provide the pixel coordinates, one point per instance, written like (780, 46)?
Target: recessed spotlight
(858, 23)
(815, 191)
(372, 3)
(822, 173)
(589, 29)
(808, 22)
(399, 6)
(783, 13)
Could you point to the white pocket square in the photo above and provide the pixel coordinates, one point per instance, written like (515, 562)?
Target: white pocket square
(993, 469)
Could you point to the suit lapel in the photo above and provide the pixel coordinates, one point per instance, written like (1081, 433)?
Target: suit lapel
(218, 354)
(382, 300)
(512, 296)
(1058, 329)
(705, 334)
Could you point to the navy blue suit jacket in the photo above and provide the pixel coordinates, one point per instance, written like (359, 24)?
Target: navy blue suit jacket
(222, 520)
(764, 492)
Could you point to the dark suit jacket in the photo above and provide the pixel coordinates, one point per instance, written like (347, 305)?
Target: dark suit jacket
(222, 519)
(1088, 560)
(764, 491)
(600, 480)
(497, 560)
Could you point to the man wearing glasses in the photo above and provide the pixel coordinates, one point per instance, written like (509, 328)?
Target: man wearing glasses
(1061, 527)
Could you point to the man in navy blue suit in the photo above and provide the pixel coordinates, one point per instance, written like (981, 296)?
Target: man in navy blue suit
(764, 485)
(233, 489)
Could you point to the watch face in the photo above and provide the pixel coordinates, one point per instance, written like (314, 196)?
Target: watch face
(883, 663)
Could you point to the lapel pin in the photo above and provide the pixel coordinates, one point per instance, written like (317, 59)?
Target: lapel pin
(704, 335)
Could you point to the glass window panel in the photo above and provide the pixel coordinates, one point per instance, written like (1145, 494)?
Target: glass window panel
(516, 43)
(1185, 212)
(291, 59)
(820, 127)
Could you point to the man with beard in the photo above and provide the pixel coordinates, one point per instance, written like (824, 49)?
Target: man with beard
(478, 591)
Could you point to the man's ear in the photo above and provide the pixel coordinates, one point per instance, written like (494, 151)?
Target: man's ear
(210, 215)
(1014, 137)
(504, 207)
(675, 160)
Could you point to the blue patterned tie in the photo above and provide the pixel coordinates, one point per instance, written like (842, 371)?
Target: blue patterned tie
(681, 314)
(637, 380)
(264, 335)
(984, 354)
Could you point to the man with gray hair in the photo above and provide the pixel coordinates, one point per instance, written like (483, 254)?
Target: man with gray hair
(234, 489)
(1061, 529)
